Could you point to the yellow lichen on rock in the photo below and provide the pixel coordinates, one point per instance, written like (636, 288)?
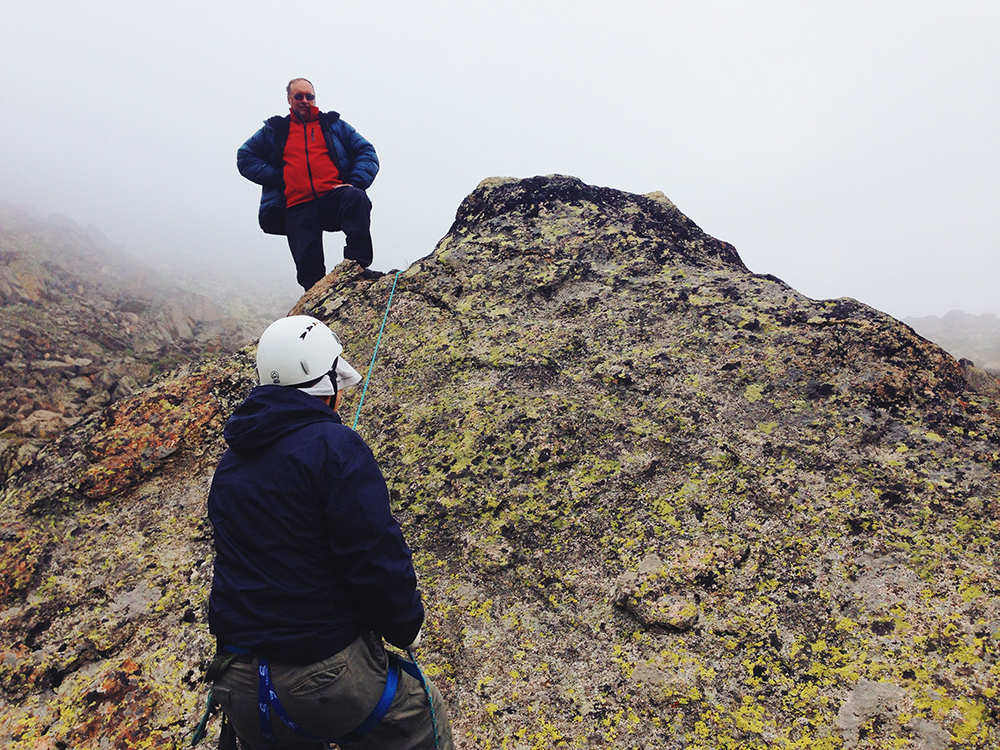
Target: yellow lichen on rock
(656, 500)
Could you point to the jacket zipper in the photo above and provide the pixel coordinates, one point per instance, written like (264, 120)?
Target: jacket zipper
(305, 142)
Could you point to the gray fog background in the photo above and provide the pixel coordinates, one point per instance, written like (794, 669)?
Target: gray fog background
(849, 148)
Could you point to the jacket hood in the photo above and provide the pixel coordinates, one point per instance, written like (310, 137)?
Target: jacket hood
(269, 413)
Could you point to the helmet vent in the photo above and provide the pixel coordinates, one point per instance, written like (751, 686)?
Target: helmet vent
(305, 367)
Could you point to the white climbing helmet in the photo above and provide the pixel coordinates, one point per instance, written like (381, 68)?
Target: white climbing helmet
(300, 349)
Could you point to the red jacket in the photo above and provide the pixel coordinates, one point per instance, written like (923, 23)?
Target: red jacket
(309, 169)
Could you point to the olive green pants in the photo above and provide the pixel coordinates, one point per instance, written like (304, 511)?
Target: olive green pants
(331, 698)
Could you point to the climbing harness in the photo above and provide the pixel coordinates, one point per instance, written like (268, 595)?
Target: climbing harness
(371, 367)
(268, 701)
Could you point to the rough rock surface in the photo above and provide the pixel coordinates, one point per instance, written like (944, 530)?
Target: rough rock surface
(655, 501)
(82, 325)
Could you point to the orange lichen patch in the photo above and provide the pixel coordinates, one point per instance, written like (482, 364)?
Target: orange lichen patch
(118, 709)
(130, 667)
(138, 434)
(23, 672)
(20, 553)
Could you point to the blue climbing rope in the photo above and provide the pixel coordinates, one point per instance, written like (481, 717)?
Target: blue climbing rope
(427, 692)
(357, 416)
(371, 367)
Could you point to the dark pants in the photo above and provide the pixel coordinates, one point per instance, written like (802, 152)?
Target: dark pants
(345, 209)
(330, 698)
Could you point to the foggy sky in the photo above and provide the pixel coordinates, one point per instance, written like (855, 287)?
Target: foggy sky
(849, 148)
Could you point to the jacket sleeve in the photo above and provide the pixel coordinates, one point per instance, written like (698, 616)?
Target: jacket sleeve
(252, 159)
(362, 156)
(369, 547)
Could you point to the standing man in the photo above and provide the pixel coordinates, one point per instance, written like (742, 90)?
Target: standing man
(311, 569)
(314, 169)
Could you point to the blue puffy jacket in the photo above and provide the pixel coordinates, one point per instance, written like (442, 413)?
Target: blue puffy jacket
(308, 555)
(261, 160)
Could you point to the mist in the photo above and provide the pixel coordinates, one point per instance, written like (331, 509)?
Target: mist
(848, 149)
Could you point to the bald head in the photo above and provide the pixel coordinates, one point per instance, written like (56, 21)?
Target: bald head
(288, 88)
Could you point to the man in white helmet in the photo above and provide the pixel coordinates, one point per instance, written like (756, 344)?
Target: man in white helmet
(311, 569)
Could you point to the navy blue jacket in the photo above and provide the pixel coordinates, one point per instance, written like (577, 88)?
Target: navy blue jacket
(262, 160)
(308, 555)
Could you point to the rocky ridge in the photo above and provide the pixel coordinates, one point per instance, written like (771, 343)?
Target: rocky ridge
(82, 325)
(655, 500)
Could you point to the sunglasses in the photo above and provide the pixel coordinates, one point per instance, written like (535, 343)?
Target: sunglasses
(308, 97)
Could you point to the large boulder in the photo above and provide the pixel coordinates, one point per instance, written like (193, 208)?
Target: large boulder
(655, 501)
